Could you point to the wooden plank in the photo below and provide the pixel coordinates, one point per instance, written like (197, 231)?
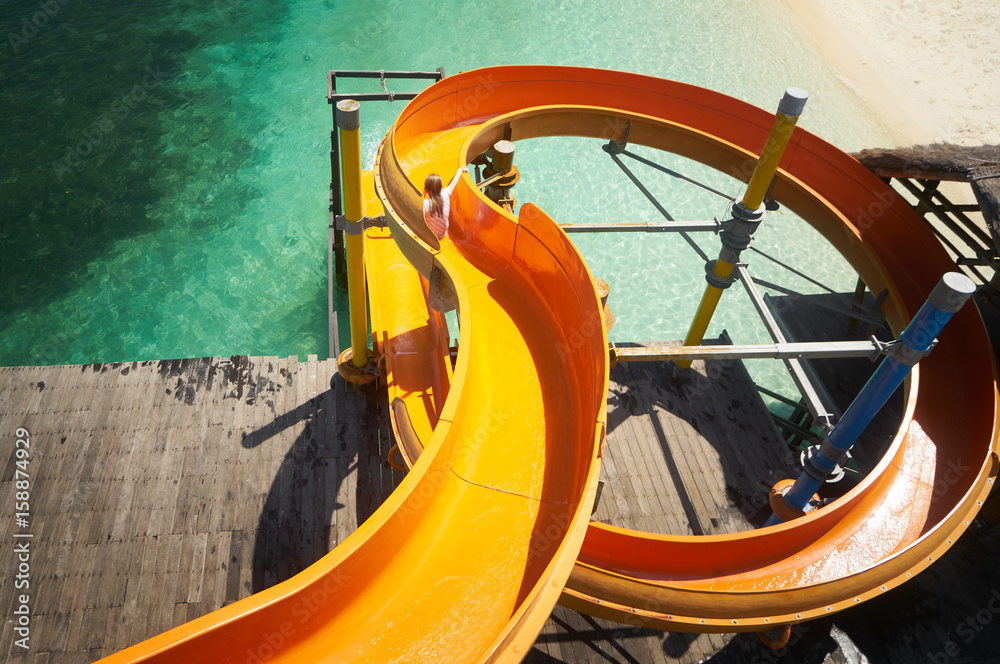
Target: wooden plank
(141, 378)
(699, 474)
(656, 436)
(214, 582)
(140, 442)
(146, 479)
(305, 484)
(50, 466)
(190, 541)
(171, 581)
(114, 564)
(202, 459)
(140, 569)
(323, 460)
(667, 522)
(286, 472)
(286, 550)
(628, 481)
(159, 595)
(331, 506)
(191, 509)
(271, 438)
(235, 566)
(573, 650)
(74, 597)
(260, 571)
(186, 431)
(265, 438)
(232, 480)
(195, 545)
(110, 641)
(111, 451)
(347, 468)
(92, 629)
(635, 491)
(613, 452)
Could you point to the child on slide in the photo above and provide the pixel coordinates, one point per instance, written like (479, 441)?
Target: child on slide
(437, 201)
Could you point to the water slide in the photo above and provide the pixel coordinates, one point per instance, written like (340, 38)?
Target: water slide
(937, 470)
(467, 557)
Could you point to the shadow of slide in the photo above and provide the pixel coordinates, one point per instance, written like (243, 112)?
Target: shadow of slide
(330, 480)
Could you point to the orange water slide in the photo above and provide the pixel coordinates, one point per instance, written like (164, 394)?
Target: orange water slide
(938, 468)
(467, 557)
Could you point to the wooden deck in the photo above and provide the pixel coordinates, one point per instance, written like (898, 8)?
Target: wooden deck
(161, 491)
(164, 490)
(690, 452)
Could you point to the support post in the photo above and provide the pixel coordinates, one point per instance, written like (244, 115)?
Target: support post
(500, 173)
(919, 337)
(747, 214)
(353, 363)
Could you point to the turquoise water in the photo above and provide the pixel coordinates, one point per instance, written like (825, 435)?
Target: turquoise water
(165, 166)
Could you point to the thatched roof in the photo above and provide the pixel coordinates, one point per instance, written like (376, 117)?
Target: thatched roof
(939, 161)
(979, 166)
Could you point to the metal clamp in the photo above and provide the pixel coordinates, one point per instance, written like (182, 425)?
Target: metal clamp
(828, 450)
(880, 347)
(900, 351)
(737, 232)
(722, 283)
(359, 226)
(833, 453)
(617, 147)
(905, 354)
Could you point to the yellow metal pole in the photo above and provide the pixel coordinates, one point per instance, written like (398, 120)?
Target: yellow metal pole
(747, 215)
(348, 126)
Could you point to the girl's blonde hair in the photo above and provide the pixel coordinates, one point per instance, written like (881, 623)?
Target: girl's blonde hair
(432, 189)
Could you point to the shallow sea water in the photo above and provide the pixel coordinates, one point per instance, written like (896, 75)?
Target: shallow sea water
(165, 167)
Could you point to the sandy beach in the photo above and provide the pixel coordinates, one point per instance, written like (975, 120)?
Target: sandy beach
(929, 69)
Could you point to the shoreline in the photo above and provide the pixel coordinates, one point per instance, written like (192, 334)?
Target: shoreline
(925, 71)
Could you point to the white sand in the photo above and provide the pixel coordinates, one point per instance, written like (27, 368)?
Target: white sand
(929, 68)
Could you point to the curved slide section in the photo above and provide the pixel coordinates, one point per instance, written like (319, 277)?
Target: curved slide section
(410, 335)
(467, 557)
(938, 468)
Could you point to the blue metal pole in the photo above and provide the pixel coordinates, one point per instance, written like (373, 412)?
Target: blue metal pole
(951, 292)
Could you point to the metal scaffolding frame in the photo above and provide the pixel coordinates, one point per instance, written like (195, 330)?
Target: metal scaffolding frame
(816, 398)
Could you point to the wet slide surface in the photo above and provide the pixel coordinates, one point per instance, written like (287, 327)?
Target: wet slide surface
(467, 557)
